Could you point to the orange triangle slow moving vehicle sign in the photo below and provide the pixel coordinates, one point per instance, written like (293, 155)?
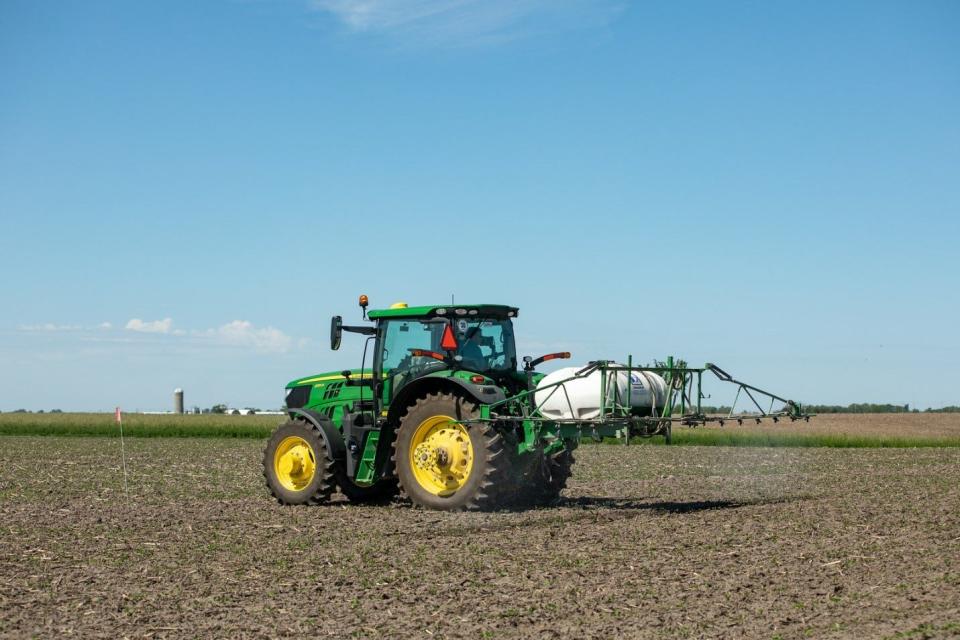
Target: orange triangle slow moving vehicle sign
(448, 342)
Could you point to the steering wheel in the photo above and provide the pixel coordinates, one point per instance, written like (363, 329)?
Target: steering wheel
(418, 361)
(425, 353)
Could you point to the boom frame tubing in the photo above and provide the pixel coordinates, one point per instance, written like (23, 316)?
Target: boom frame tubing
(680, 380)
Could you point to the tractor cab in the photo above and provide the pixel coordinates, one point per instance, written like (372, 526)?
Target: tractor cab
(468, 346)
(414, 342)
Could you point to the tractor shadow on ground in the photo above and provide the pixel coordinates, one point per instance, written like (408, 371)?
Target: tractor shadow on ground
(588, 503)
(570, 510)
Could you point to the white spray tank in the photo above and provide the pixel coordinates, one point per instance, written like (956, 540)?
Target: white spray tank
(579, 398)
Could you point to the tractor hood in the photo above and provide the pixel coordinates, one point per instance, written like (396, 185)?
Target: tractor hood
(337, 376)
(323, 389)
(327, 377)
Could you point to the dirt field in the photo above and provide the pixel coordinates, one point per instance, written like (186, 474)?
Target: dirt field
(672, 542)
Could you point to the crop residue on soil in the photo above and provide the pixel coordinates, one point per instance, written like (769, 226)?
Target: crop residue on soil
(647, 542)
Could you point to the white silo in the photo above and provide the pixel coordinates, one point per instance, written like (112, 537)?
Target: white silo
(178, 400)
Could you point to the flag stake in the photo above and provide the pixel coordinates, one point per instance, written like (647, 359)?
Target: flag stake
(123, 453)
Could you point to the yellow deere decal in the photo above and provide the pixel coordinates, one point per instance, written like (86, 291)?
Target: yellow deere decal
(334, 377)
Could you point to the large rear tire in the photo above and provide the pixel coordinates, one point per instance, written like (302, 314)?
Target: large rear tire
(297, 466)
(446, 460)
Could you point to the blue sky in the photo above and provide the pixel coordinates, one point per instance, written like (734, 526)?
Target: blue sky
(189, 190)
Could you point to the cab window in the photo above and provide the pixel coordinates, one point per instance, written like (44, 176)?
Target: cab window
(400, 337)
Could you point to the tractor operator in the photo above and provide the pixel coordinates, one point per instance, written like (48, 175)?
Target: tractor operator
(472, 356)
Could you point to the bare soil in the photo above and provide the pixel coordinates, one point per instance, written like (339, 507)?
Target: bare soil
(673, 542)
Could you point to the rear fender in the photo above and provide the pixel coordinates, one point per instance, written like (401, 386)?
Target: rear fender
(480, 393)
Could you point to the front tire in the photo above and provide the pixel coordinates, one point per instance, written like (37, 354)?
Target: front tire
(297, 466)
(445, 459)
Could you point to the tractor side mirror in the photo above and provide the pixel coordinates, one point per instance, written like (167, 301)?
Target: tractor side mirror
(336, 332)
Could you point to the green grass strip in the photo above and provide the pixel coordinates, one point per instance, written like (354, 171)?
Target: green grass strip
(260, 427)
(138, 431)
(139, 425)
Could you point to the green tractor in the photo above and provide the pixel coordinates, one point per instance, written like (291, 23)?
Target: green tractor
(446, 417)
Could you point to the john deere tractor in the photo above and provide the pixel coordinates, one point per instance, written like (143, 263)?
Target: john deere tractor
(444, 416)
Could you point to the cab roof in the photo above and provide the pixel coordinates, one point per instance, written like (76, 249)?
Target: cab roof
(446, 310)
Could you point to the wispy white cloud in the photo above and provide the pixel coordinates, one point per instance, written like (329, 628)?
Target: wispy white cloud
(152, 326)
(241, 333)
(50, 327)
(468, 22)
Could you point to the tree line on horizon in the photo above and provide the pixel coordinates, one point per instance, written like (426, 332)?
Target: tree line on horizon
(857, 407)
(865, 407)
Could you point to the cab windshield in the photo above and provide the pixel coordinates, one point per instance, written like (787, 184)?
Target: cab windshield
(483, 344)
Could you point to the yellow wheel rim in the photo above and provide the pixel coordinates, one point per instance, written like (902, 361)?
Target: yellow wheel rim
(294, 463)
(441, 455)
